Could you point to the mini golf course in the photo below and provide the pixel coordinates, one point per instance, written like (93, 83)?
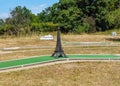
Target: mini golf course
(17, 63)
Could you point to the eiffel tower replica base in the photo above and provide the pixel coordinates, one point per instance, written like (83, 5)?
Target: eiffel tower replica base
(58, 54)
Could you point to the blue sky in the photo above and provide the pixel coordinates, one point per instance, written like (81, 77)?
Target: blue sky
(35, 6)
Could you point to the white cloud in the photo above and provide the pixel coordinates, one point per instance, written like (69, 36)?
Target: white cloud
(38, 9)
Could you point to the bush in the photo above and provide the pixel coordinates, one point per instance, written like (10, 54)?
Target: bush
(43, 27)
(82, 28)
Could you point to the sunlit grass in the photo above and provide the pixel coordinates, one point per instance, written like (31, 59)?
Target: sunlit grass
(69, 49)
(69, 74)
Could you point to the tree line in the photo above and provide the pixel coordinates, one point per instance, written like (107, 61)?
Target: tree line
(76, 16)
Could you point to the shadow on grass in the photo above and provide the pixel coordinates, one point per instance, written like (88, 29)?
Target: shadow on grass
(113, 39)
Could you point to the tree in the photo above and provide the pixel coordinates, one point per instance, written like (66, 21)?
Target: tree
(1, 26)
(71, 15)
(113, 18)
(1, 22)
(20, 20)
(20, 15)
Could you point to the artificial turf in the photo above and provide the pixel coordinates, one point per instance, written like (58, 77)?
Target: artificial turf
(93, 56)
(19, 62)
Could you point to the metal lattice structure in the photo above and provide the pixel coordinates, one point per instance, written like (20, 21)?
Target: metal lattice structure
(58, 50)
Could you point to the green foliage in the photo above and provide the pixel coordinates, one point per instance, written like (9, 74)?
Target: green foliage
(73, 15)
(20, 15)
(82, 28)
(43, 27)
(113, 18)
(1, 22)
(19, 22)
(90, 22)
(76, 16)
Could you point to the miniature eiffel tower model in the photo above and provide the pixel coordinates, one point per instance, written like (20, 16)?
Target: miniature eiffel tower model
(58, 51)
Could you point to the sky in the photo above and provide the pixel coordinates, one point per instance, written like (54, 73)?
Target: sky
(36, 6)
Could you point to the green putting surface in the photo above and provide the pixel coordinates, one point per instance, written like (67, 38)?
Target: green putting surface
(19, 62)
(33, 60)
(93, 56)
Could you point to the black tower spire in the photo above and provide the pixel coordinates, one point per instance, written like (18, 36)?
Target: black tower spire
(58, 51)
